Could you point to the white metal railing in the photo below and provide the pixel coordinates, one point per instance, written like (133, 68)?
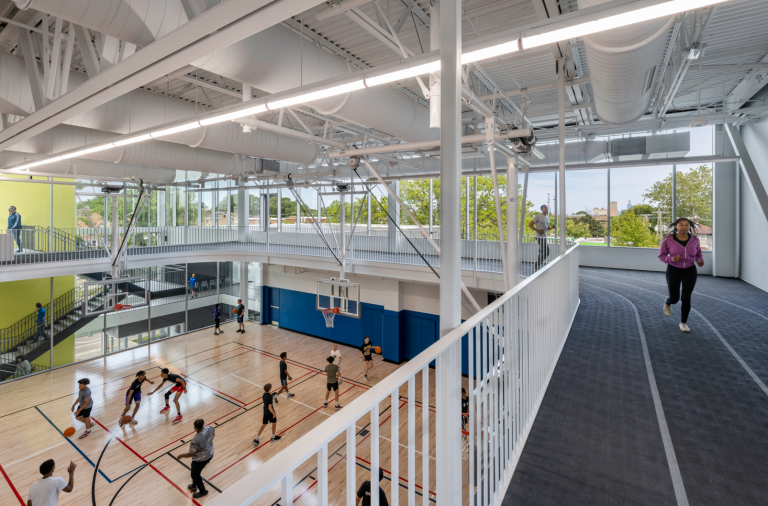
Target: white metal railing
(479, 253)
(508, 351)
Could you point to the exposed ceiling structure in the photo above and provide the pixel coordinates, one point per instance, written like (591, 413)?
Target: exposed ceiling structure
(639, 80)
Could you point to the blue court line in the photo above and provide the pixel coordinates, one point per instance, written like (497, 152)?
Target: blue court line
(198, 385)
(398, 482)
(73, 445)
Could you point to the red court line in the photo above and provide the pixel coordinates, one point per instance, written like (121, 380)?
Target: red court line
(209, 358)
(10, 483)
(211, 388)
(148, 464)
(267, 442)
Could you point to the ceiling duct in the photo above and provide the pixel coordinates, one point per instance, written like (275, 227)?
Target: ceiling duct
(623, 64)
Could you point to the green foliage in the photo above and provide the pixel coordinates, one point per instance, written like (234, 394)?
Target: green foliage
(577, 229)
(694, 194)
(596, 228)
(629, 229)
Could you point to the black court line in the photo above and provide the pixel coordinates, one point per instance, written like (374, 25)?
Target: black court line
(214, 487)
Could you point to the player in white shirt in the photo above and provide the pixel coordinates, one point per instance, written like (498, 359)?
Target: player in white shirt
(45, 491)
(540, 225)
(336, 354)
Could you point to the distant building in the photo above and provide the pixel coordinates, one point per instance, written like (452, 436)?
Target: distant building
(704, 233)
(629, 204)
(601, 213)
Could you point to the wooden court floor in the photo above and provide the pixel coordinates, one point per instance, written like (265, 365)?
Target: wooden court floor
(225, 375)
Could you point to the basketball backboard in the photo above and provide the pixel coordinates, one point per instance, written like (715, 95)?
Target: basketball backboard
(339, 293)
(102, 296)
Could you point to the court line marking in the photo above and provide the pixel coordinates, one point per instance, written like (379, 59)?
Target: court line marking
(674, 469)
(81, 452)
(190, 470)
(38, 453)
(725, 343)
(148, 464)
(10, 483)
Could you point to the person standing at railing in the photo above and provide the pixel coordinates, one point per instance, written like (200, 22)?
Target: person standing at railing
(40, 335)
(14, 227)
(540, 225)
(22, 366)
(364, 493)
(680, 250)
(192, 285)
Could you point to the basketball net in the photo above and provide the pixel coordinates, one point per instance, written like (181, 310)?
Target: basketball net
(329, 314)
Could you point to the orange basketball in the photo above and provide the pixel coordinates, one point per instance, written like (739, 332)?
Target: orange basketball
(126, 419)
(234, 311)
(69, 432)
(377, 349)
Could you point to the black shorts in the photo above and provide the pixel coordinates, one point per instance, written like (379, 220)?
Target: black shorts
(368, 358)
(268, 418)
(85, 413)
(216, 321)
(332, 386)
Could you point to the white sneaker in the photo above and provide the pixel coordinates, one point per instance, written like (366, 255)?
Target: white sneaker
(667, 309)
(133, 421)
(684, 327)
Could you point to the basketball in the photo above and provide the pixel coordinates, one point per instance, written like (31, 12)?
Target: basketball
(126, 419)
(69, 432)
(377, 349)
(234, 311)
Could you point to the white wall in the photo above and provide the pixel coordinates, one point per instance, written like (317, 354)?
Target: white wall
(725, 179)
(619, 257)
(753, 244)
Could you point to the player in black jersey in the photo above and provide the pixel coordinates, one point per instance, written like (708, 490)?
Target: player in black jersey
(269, 415)
(134, 394)
(179, 387)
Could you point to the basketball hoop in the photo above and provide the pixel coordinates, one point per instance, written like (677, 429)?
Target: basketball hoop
(329, 314)
(120, 307)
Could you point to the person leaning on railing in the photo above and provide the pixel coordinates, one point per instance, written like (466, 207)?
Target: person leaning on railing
(22, 366)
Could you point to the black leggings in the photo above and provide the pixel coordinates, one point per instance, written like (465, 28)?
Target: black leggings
(197, 468)
(687, 276)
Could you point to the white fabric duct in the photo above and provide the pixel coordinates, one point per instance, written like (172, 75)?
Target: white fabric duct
(141, 109)
(137, 21)
(273, 60)
(148, 153)
(81, 169)
(622, 65)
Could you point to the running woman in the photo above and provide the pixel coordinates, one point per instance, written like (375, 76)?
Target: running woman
(217, 320)
(179, 387)
(680, 250)
(336, 354)
(333, 375)
(240, 316)
(192, 285)
(284, 376)
(269, 415)
(366, 350)
(84, 404)
(134, 394)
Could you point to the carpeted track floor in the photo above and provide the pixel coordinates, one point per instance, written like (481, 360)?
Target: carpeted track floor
(597, 438)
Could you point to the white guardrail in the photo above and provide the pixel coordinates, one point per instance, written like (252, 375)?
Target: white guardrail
(507, 352)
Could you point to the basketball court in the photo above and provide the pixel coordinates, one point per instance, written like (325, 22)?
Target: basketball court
(225, 376)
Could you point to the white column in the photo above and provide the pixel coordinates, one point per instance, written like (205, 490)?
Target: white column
(342, 233)
(279, 210)
(513, 251)
(448, 371)
(393, 208)
(368, 198)
(243, 210)
(430, 207)
(244, 286)
(561, 130)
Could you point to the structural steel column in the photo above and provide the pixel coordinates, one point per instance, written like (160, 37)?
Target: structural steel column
(394, 211)
(448, 372)
(561, 131)
(513, 251)
(243, 210)
(608, 221)
(431, 210)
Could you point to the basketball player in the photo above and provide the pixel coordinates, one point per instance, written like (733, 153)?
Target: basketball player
(333, 374)
(269, 415)
(366, 350)
(240, 316)
(134, 394)
(336, 354)
(217, 320)
(179, 387)
(464, 408)
(85, 401)
(284, 377)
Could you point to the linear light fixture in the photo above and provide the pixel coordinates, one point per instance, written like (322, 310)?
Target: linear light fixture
(580, 30)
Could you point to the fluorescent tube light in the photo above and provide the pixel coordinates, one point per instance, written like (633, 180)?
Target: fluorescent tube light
(175, 130)
(490, 52)
(234, 115)
(132, 140)
(28, 166)
(617, 21)
(399, 75)
(98, 148)
(50, 160)
(317, 95)
(72, 155)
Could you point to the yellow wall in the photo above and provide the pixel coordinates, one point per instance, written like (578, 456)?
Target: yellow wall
(63, 354)
(18, 298)
(33, 200)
